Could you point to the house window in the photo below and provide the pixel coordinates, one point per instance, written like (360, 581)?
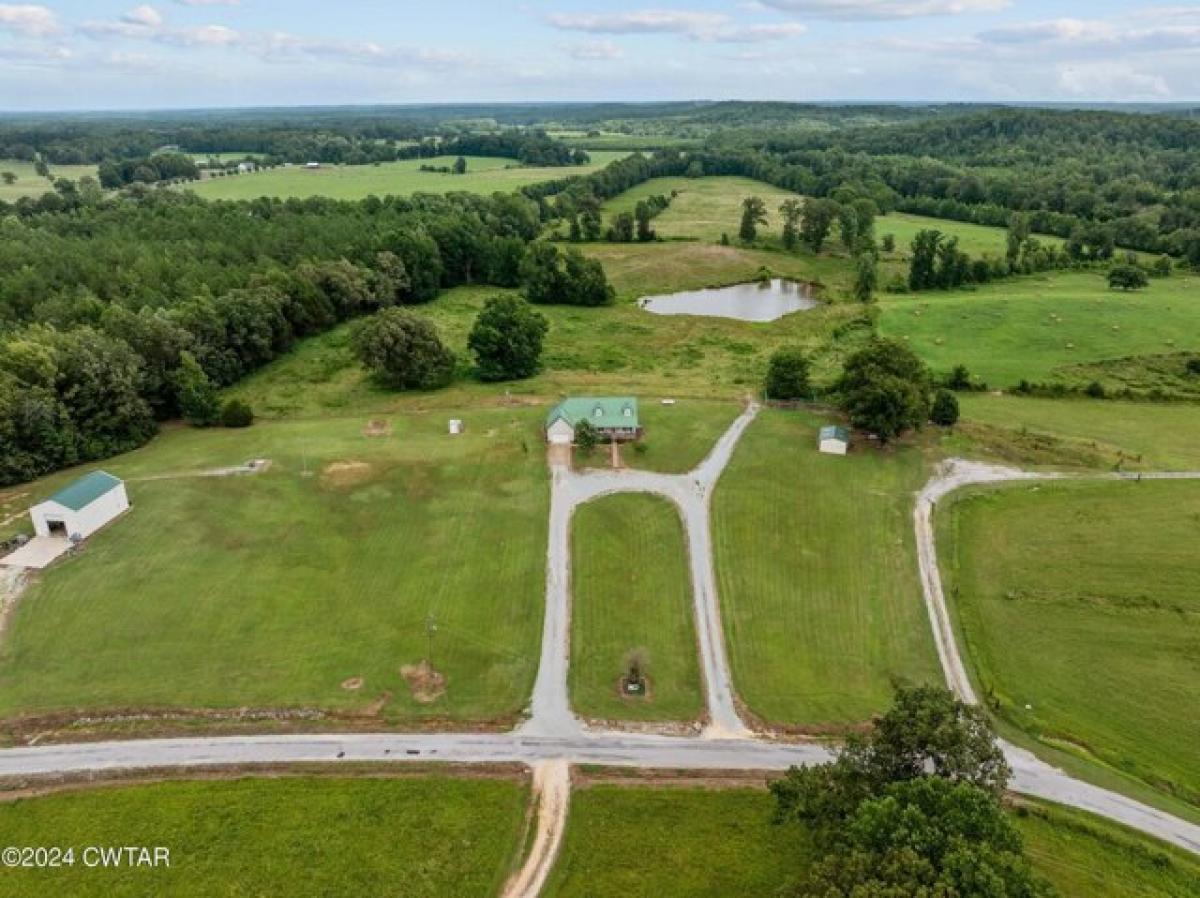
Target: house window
(598, 413)
(628, 412)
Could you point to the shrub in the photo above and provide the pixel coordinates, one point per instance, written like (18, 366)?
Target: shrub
(945, 409)
(787, 374)
(1193, 365)
(1095, 389)
(236, 413)
(1127, 277)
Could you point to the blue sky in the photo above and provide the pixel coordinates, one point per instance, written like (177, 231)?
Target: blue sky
(72, 54)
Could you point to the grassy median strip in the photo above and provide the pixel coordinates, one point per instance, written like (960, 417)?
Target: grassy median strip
(632, 605)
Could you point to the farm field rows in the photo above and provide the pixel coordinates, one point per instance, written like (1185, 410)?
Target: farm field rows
(816, 572)
(631, 602)
(484, 175)
(313, 584)
(714, 841)
(313, 836)
(1077, 608)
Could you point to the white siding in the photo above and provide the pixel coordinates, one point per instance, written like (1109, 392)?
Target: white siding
(560, 432)
(87, 520)
(833, 447)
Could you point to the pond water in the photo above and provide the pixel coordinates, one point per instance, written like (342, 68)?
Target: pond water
(758, 301)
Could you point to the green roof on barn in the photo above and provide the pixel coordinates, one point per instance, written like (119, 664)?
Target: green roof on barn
(605, 412)
(85, 490)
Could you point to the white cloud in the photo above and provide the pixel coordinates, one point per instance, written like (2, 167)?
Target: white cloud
(209, 2)
(146, 16)
(646, 21)
(28, 19)
(884, 9)
(35, 55)
(754, 34)
(595, 50)
(698, 26)
(1065, 35)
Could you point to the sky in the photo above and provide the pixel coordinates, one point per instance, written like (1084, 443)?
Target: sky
(96, 54)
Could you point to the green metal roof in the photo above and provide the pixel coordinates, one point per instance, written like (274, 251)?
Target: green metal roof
(85, 490)
(833, 432)
(605, 412)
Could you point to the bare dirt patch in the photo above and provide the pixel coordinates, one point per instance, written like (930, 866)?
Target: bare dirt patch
(378, 427)
(352, 684)
(427, 684)
(346, 473)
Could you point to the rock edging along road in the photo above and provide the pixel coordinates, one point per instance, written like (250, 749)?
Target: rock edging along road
(554, 734)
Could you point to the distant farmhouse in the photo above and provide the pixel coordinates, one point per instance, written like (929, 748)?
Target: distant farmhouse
(615, 418)
(833, 440)
(245, 167)
(80, 509)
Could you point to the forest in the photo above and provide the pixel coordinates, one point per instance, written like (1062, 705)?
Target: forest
(110, 299)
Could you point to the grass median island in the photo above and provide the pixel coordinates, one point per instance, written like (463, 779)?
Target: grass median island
(484, 175)
(631, 598)
(310, 584)
(307, 837)
(817, 574)
(644, 842)
(1030, 327)
(1079, 608)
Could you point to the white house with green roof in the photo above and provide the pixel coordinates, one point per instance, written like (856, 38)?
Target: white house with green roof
(613, 417)
(81, 508)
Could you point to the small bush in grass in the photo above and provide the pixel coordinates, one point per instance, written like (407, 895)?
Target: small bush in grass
(945, 409)
(1095, 389)
(1193, 365)
(236, 413)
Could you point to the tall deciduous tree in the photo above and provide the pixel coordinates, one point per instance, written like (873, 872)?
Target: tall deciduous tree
(507, 339)
(884, 388)
(819, 215)
(754, 213)
(403, 350)
(792, 211)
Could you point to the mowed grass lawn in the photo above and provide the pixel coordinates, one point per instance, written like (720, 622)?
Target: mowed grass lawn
(817, 575)
(677, 437)
(306, 837)
(30, 183)
(273, 589)
(645, 842)
(1148, 436)
(631, 596)
(1028, 327)
(1079, 607)
(703, 208)
(485, 175)
(649, 841)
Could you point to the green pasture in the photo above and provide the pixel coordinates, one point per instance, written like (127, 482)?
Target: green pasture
(1033, 327)
(307, 837)
(817, 575)
(644, 842)
(1078, 605)
(30, 183)
(484, 175)
(312, 584)
(631, 598)
(711, 843)
(1136, 435)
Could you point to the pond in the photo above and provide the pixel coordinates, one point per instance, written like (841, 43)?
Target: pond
(757, 301)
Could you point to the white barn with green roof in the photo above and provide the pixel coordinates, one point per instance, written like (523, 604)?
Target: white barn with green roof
(80, 509)
(613, 417)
